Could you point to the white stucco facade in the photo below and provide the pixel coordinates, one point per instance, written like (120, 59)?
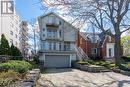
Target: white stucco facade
(9, 26)
(57, 38)
(110, 50)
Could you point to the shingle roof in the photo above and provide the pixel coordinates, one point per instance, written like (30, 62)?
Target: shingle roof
(100, 35)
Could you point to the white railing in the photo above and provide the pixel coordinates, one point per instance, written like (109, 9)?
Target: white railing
(81, 53)
(58, 47)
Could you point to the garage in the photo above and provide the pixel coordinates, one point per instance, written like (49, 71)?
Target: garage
(57, 61)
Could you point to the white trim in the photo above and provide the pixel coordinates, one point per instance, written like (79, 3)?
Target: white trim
(70, 60)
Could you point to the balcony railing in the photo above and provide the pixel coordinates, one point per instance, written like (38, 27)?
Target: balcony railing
(52, 37)
(58, 48)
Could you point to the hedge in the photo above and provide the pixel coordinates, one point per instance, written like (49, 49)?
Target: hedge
(16, 65)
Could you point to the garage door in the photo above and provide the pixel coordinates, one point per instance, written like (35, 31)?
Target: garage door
(57, 61)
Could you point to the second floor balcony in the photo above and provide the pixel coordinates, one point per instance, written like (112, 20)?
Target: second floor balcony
(58, 48)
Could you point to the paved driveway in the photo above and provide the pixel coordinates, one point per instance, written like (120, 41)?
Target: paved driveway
(77, 78)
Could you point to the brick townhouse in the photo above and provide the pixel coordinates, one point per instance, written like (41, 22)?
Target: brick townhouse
(96, 45)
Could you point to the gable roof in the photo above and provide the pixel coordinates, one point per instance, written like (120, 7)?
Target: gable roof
(102, 36)
(86, 35)
(42, 16)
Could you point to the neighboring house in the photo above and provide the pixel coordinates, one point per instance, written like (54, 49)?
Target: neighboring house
(58, 40)
(96, 45)
(24, 38)
(9, 23)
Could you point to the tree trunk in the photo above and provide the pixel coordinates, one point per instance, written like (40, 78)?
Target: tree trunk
(118, 49)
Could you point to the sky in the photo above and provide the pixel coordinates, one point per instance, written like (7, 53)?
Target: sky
(28, 9)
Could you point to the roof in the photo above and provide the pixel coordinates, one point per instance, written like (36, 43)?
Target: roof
(42, 16)
(101, 36)
(86, 35)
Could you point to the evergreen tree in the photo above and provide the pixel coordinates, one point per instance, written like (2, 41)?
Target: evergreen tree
(4, 46)
(15, 53)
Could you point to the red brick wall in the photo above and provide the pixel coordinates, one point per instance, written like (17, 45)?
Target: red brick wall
(103, 48)
(86, 45)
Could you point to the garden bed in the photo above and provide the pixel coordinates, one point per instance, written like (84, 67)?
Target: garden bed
(13, 71)
(90, 67)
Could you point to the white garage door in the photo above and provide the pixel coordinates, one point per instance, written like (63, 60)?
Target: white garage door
(57, 61)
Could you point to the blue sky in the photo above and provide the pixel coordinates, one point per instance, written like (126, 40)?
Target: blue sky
(28, 9)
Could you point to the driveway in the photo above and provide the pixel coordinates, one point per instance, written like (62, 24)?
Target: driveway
(78, 78)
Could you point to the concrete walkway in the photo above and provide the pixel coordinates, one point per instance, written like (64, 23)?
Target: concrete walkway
(77, 78)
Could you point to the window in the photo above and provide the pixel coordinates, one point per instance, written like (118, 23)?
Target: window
(60, 33)
(11, 41)
(94, 50)
(44, 45)
(43, 35)
(54, 46)
(60, 47)
(11, 32)
(67, 46)
(60, 23)
(110, 52)
(50, 46)
(51, 33)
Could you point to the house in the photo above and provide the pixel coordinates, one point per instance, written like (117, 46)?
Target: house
(98, 45)
(57, 41)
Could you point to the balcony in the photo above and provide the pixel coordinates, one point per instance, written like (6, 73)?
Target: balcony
(59, 48)
(52, 38)
(53, 22)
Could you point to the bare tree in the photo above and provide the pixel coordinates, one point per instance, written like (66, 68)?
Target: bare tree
(104, 15)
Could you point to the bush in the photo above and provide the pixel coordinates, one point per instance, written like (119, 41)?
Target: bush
(126, 59)
(106, 64)
(36, 59)
(125, 66)
(8, 77)
(83, 63)
(18, 66)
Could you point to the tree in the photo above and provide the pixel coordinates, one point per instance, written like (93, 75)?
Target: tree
(4, 46)
(125, 41)
(104, 15)
(15, 53)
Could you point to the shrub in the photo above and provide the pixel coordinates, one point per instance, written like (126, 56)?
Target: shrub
(15, 53)
(36, 59)
(125, 66)
(126, 59)
(8, 77)
(18, 66)
(106, 64)
(83, 63)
